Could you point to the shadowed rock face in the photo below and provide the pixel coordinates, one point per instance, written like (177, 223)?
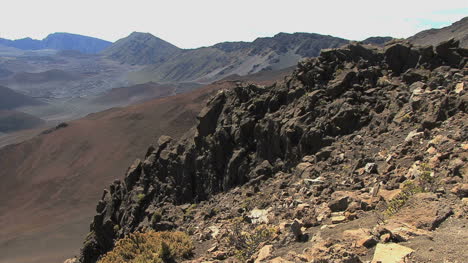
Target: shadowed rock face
(250, 133)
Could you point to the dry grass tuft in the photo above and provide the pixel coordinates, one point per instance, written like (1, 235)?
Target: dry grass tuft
(155, 247)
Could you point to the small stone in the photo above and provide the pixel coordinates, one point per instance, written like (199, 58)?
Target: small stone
(259, 216)
(338, 219)
(362, 237)
(340, 203)
(370, 168)
(431, 150)
(465, 201)
(302, 207)
(296, 229)
(315, 181)
(212, 249)
(385, 237)
(461, 190)
(220, 255)
(459, 87)
(391, 253)
(264, 253)
(413, 135)
(280, 260)
(214, 231)
(389, 158)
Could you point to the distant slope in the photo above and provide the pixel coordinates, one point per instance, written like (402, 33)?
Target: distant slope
(42, 177)
(142, 92)
(458, 31)
(140, 49)
(42, 77)
(11, 121)
(136, 93)
(10, 99)
(208, 64)
(60, 41)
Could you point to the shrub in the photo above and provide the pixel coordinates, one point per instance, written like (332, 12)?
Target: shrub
(245, 244)
(140, 197)
(156, 217)
(154, 247)
(409, 189)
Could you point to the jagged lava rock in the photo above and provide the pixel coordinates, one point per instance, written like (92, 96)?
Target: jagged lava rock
(251, 133)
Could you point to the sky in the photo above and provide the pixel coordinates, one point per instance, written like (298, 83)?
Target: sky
(196, 23)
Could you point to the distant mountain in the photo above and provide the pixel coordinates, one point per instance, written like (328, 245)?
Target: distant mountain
(166, 63)
(376, 40)
(141, 49)
(84, 44)
(457, 31)
(60, 41)
(24, 43)
(10, 99)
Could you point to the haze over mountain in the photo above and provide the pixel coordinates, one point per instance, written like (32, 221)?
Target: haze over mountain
(216, 62)
(11, 121)
(9, 99)
(60, 41)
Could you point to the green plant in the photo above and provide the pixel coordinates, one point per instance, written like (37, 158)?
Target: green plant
(426, 178)
(154, 247)
(156, 217)
(245, 244)
(409, 189)
(140, 197)
(247, 203)
(191, 209)
(406, 117)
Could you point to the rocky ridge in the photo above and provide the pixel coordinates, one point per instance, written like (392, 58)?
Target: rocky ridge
(336, 160)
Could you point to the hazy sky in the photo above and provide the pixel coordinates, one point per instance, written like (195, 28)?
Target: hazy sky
(195, 23)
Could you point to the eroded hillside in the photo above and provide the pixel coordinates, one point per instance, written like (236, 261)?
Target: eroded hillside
(359, 154)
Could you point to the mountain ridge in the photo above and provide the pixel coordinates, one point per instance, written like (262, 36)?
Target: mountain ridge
(207, 64)
(458, 31)
(60, 41)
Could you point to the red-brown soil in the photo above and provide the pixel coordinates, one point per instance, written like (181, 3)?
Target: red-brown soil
(51, 182)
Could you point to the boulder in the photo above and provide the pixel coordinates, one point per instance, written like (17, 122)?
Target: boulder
(361, 237)
(391, 253)
(400, 57)
(339, 201)
(296, 229)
